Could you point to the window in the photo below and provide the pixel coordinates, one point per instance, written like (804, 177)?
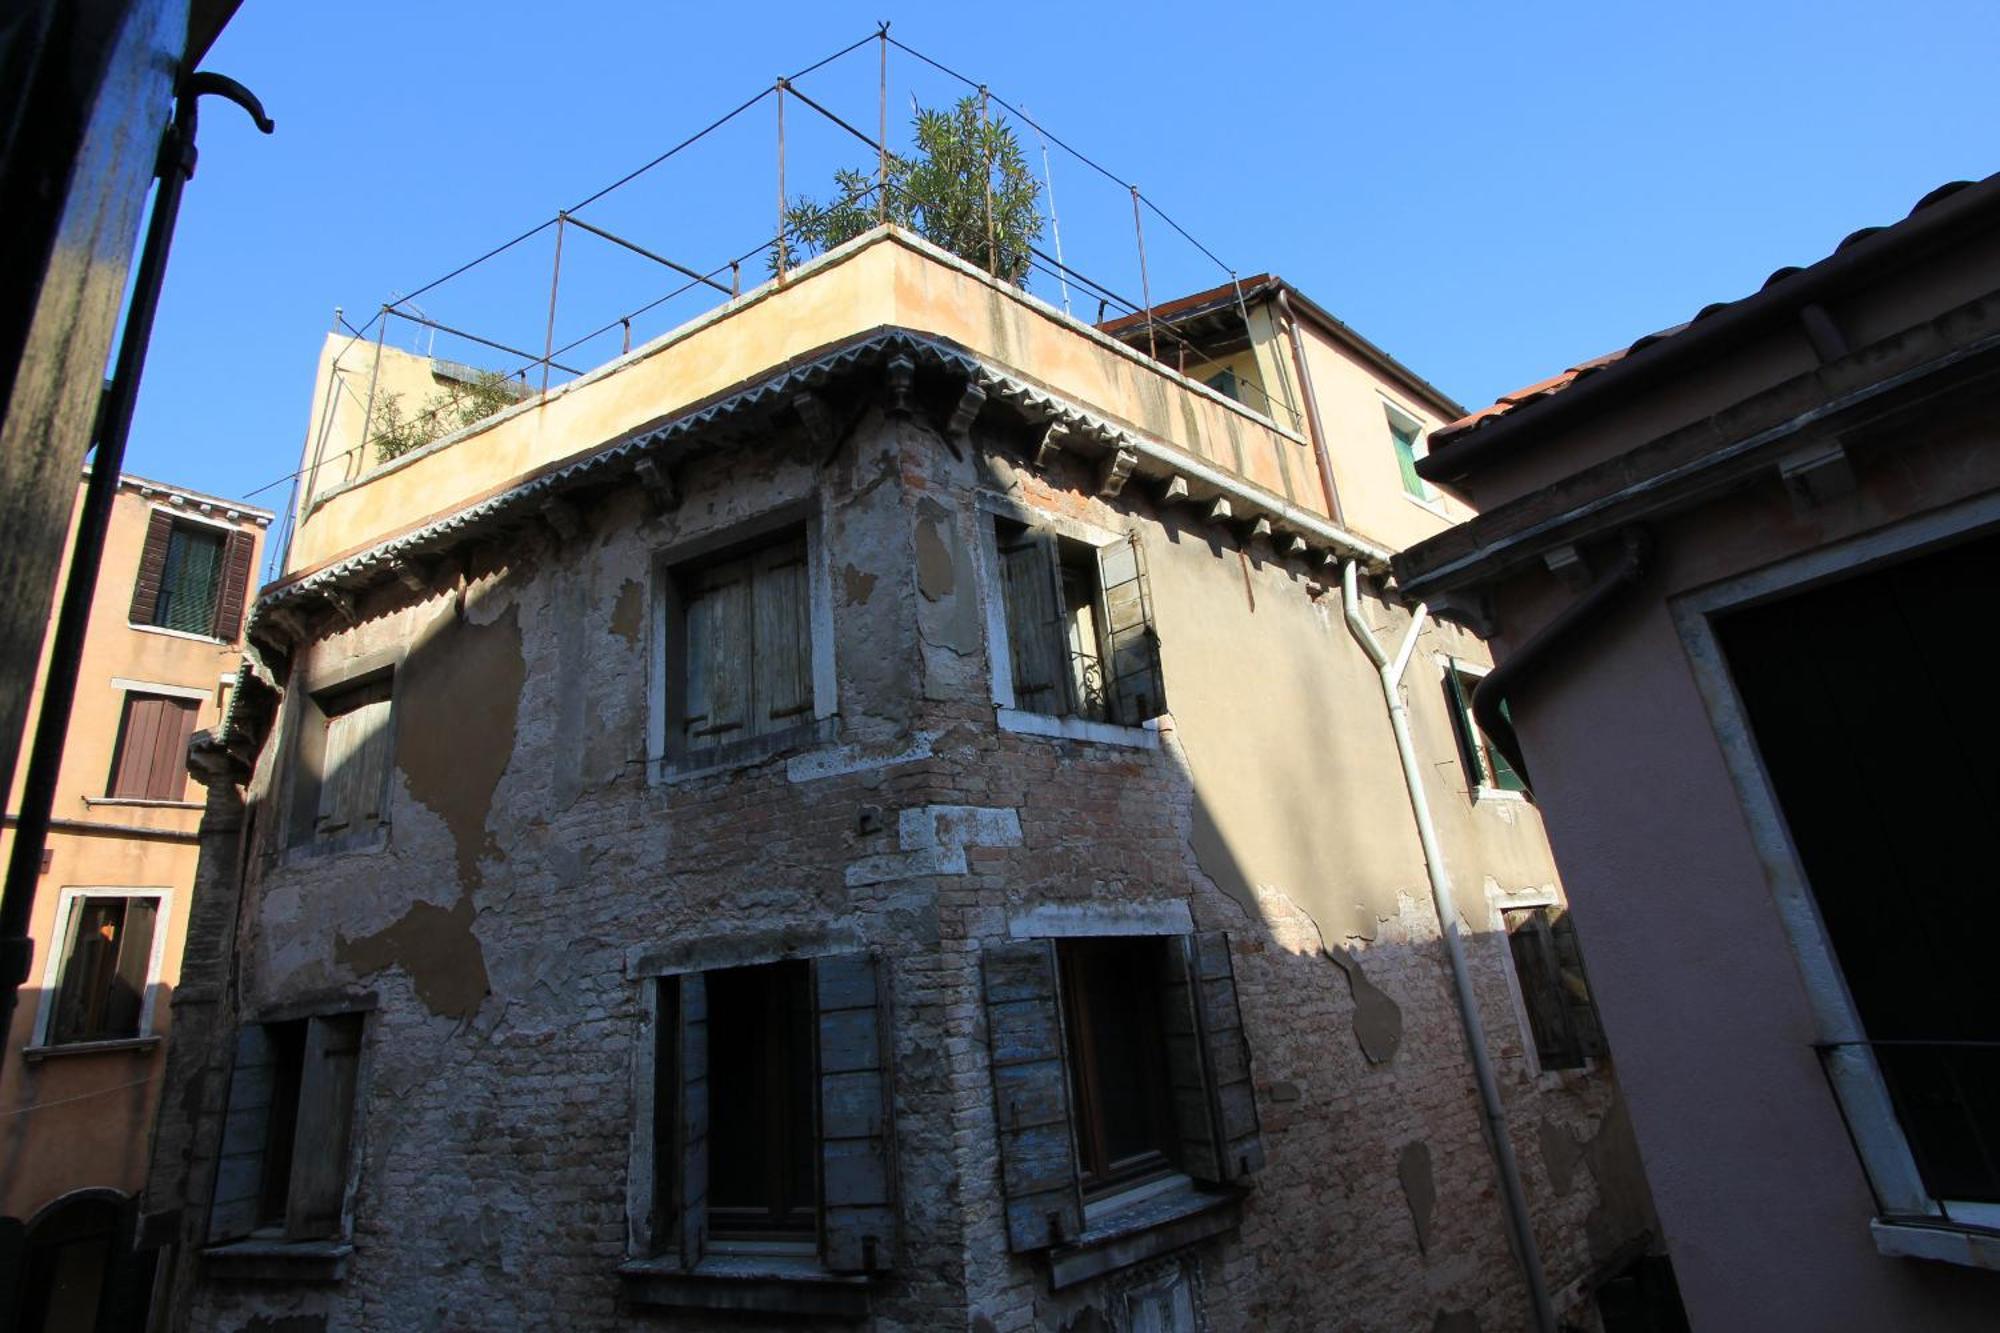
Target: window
(1548, 967)
(108, 962)
(344, 757)
(1406, 435)
(287, 1136)
(1225, 383)
(770, 1110)
(150, 763)
(193, 577)
(1485, 766)
(1079, 625)
(1117, 1061)
(740, 659)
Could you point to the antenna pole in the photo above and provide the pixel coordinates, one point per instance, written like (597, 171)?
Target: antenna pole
(986, 177)
(781, 180)
(1055, 223)
(1145, 287)
(882, 140)
(555, 280)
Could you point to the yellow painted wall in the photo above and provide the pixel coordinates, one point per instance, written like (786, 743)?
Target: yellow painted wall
(80, 1120)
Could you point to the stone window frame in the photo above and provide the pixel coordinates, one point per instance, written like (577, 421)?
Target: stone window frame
(68, 903)
(313, 684)
(1498, 904)
(782, 1278)
(1000, 664)
(1911, 1222)
(1154, 1217)
(261, 1256)
(664, 763)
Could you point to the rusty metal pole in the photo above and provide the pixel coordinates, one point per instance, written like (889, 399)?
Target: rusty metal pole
(781, 181)
(882, 135)
(986, 158)
(555, 280)
(1145, 287)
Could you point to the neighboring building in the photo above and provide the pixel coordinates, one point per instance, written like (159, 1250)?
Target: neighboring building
(1741, 576)
(82, 1079)
(868, 806)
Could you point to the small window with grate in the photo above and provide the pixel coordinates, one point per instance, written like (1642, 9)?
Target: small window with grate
(1080, 635)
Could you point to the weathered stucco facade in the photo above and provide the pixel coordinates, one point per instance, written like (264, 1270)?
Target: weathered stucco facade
(544, 856)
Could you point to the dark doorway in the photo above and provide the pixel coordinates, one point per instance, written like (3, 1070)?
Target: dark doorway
(79, 1273)
(1867, 698)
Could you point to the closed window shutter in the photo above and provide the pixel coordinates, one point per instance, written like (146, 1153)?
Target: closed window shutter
(138, 742)
(1187, 1070)
(327, 1082)
(1038, 1173)
(1131, 644)
(1574, 987)
(1037, 638)
(239, 1168)
(783, 638)
(336, 779)
(354, 764)
(127, 1001)
(1232, 1095)
(690, 1141)
(152, 568)
(235, 586)
(857, 1170)
(1463, 726)
(719, 662)
(1535, 967)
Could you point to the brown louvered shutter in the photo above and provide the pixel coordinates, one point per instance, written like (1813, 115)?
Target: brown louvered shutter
(235, 586)
(1038, 1175)
(152, 568)
(327, 1084)
(1187, 1069)
(857, 1170)
(782, 648)
(239, 1169)
(138, 739)
(1232, 1095)
(1037, 638)
(1131, 644)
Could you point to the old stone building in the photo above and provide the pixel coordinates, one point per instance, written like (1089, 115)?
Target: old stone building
(869, 807)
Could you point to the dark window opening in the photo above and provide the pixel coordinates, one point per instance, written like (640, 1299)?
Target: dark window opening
(1225, 383)
(150, 763)
(1878, 739)
(107, 960)
(287, 1135)
(1080, 629)
(1119, 1085)
(288, 1054)
(763, 1146)
(1548, 965)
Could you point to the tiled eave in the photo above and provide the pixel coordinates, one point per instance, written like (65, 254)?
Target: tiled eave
(521, 502)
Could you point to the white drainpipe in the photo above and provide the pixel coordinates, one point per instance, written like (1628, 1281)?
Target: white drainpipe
(1511, 1191)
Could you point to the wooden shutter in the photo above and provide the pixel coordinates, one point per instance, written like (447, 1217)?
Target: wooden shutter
(229, 601)
(336, 775)
(1463, 726)
(138, 740)
(857, 1170)
(782, 638)
(127, 1001)
(690, 1141)
(327, 1080)
(1187, 1070)
(354, 764)
(718, 655)
(152, 568)
(1131, 644)
(1031, 1095)
(239, 1168)
(307, 762)
(1226, 1049)
(1037, 637)
(1574, 986)
(1535, 968)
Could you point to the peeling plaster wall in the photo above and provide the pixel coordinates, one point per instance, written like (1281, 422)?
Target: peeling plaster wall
(529, 859)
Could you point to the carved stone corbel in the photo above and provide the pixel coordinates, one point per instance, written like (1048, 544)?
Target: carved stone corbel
(1116, 468)
(662, 489)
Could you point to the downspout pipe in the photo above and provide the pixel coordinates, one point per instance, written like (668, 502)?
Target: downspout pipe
(1490, 696)
(1513, 1194)
(1320, 454)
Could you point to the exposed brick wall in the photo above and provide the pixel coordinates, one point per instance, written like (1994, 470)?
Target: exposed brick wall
(492, 1184)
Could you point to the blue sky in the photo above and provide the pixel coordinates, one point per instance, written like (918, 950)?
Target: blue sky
(1491, 192)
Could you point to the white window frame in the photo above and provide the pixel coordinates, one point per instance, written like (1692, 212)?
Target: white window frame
(52, 968)
(1855, 1076)
(1481, 785)
(662, 766)
(1000, 658)
(1420, 448)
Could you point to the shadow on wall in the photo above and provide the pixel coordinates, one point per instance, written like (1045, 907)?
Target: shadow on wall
(71, 1267)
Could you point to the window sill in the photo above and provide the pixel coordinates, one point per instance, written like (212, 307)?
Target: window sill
(747, 753)
(138, 1045)
(1145, 737)
(321, 845)
(1484, 793)
(1155, 1223)
(1429, 506)
(178, 634)
(146, 801)
(1941, 1242)
(768, 1283)
(278, 1260)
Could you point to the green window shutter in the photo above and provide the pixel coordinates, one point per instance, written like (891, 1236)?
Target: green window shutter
(1038, 1173)
(1462, 725)
(1406, 460)
(193, 578)
(857, 1169)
